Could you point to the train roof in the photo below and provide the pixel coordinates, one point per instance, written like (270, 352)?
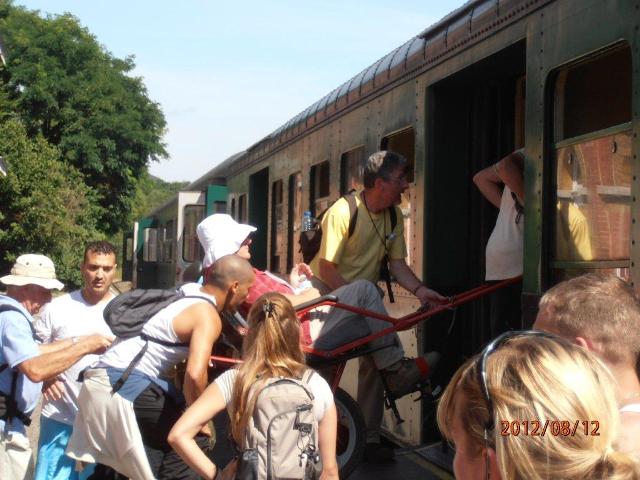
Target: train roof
(217, 174)
(463, 27)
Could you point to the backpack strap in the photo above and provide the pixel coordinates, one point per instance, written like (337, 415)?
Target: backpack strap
(353, 211)
(127, 372)
(125, 375)
(6, 307)
(9, 402)
(306, 376)
(393, 216)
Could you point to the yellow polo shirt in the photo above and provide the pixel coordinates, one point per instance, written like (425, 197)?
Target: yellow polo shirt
(358, 257)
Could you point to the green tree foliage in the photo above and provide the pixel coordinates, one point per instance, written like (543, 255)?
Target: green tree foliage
(46, 207)
(152, 193)
(80, 98)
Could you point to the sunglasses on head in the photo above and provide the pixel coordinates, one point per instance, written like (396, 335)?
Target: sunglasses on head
(481, 369)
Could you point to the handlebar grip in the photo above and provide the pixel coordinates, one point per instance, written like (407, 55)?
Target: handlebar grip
(316, 301)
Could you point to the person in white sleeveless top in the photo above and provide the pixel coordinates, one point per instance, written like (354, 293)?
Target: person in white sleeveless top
(270, 349)
(502, 184)
(127, 429)
(602, 314)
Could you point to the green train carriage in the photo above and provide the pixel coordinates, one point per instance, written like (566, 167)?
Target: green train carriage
(559, 77)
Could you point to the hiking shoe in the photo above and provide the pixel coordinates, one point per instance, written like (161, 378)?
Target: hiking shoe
(378, 453)
(409, 374)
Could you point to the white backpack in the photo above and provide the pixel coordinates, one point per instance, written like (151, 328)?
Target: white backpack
(282, 434)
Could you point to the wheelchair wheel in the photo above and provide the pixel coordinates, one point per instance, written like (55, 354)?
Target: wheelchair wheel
(351, 433)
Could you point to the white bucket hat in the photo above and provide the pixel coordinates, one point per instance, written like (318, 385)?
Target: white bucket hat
(35, 269)
(221, 235)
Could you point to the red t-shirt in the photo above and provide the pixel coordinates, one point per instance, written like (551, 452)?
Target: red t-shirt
(266, 282)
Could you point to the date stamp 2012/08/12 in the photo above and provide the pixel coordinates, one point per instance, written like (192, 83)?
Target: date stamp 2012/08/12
(555, 428)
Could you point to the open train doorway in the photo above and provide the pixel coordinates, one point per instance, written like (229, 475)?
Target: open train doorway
(259, 216)
(475, 117)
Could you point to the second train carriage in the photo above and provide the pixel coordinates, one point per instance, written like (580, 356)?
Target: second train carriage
(557, 77)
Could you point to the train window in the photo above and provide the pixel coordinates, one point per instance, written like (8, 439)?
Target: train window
(220, 207)
(242, 208)
(294, 217)
(352, 170)
(591, 210)
(191, 248)
(593, 95)
(168, 241)
(277, 225)
(320, 187)
(233, 208)
(150, 246)
(402, 142)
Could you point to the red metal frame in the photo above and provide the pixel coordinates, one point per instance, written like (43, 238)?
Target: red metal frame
(402, 323)
(397, 324)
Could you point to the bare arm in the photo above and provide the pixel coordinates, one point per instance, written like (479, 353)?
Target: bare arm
(183, 433)
(306, 296)
(507, 171)
(489, 184)
(52, 363)
(330, 275)
(510, 170)
(327, 433)
(55, 346)
(204, 331)
(405, 277)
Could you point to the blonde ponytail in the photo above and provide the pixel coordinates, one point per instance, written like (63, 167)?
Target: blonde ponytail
(270, 349)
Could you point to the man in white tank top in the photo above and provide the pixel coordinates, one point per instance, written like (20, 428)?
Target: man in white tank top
(502, 184)
(602, 314)
(127, 430)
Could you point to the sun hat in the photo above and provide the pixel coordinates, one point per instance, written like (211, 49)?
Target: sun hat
(221, 235)
(33, 268)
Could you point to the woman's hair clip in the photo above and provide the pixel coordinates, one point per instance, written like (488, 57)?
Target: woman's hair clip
(268, 308)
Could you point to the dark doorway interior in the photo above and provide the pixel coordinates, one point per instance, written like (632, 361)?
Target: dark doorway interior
(475, 117)
(258, 216)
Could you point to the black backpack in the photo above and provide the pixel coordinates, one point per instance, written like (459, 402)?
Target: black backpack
(127, 314)
(311, 239)
(8, 403)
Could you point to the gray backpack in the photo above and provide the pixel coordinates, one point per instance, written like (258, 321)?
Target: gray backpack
(282, 434)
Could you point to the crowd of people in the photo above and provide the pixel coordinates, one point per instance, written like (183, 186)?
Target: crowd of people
(559, 401)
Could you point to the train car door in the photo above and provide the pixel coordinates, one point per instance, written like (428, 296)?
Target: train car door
(475, 118)
(191, 211)
(127, 256)
(147, 253)
(258, 216)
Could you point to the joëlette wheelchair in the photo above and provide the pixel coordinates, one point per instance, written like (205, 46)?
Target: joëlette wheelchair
(331, 363)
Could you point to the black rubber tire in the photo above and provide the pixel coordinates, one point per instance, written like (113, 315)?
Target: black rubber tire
(351, 433)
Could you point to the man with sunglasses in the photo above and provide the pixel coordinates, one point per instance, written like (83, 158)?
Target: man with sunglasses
(502, 184)
(375, 249)
(602, 314)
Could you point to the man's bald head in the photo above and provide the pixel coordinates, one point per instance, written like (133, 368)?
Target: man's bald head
(230, 269)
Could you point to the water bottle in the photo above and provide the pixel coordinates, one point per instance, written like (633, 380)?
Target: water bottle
(303, 283)
(307, 221)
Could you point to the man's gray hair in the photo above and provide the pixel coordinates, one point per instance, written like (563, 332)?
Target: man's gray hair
(380, 165)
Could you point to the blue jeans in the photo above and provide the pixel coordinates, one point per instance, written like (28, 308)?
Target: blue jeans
(52, 463)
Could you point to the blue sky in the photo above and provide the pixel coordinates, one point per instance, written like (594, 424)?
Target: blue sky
(226, 74)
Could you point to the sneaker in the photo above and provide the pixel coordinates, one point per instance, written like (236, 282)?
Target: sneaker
(409, 374)
(378, 453)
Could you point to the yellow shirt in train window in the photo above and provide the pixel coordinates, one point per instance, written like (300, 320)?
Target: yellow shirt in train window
(358, 257)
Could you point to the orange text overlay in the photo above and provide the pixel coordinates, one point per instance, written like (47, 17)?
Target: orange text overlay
(555, 428)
